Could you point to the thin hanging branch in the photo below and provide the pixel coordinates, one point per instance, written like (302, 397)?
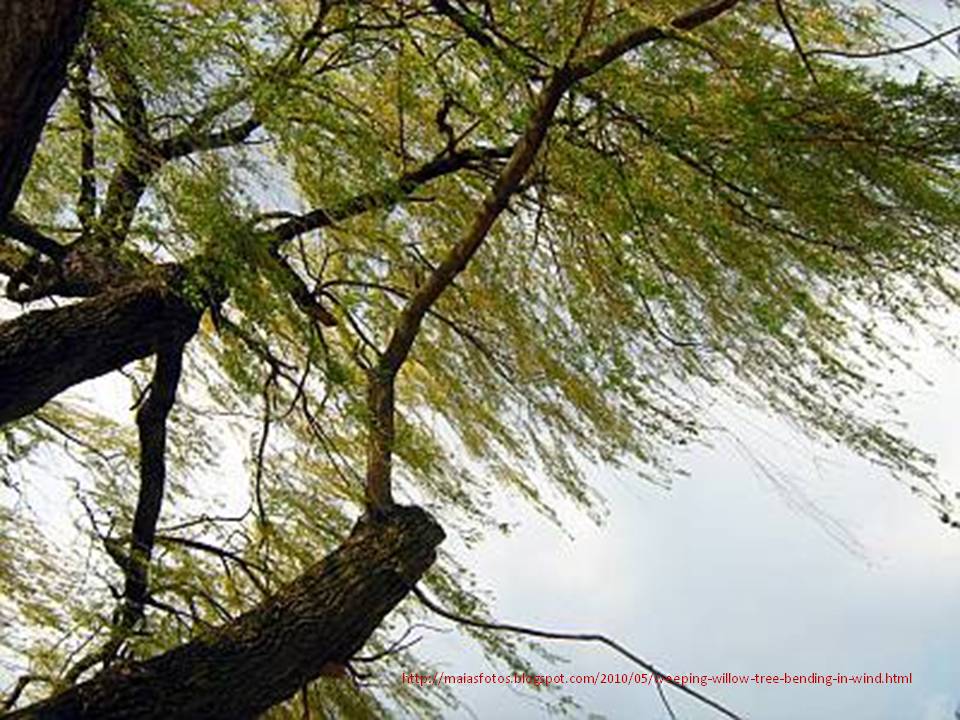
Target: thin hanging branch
(795, 39)
(576, 637)
(868, 54)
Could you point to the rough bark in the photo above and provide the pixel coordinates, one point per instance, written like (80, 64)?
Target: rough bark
(264, 657)
(37, 38)
(44, 352)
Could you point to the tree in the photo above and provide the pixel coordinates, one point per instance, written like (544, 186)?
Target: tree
(36, 41)
(442, 249)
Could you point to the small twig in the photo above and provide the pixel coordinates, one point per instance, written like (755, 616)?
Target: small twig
(795, 39)
(261, 448)
(866, 55)
(22, 682)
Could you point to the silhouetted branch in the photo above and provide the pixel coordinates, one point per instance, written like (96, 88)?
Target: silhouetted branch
(575, 637)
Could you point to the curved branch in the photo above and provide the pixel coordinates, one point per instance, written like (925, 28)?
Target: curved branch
(576, 637)
(868, 54)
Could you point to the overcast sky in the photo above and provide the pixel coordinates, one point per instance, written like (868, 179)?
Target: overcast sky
(735, 571)
(729, 572)
(724, 573)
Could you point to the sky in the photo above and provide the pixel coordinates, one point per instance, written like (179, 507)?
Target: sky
(824, 565)
(726, 572)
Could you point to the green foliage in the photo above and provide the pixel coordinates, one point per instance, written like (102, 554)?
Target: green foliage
(703, 218)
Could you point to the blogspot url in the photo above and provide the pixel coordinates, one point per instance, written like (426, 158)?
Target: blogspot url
(642, 678)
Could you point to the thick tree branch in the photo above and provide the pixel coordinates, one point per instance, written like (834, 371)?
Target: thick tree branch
(17, 228)
(307, 629)
(44, 352)
(36, 41)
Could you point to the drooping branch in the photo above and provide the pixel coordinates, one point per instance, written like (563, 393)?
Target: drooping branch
(659, 675)
(795, 39)
(307, 629)
(302, 296)
(37, 38)
(44, 352)
(152, 429)
(885, 52)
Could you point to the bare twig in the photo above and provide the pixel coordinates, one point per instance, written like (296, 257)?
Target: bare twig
(795, 39)
(576, 637)
(868, 54)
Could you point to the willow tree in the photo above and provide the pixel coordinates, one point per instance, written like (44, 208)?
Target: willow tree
(423, 253)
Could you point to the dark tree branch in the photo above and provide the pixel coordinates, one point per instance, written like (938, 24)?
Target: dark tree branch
(44, 352)
(140, 159)
(22, 683)
(20, 230)
(192, 141)
(36, 41)
(112, 52)
(575, 637)
(389, 194)
(795, 39)
(87, 202)
(302, 296)
(306, 629)
(249, 568)
(484, 34)
(152, 429)
(885, 52)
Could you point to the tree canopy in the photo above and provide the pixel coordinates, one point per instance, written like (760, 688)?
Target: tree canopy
(427, 254)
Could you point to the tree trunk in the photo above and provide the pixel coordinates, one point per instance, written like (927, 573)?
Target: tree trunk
(265, 656)
(44, 352)
(37, 38)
